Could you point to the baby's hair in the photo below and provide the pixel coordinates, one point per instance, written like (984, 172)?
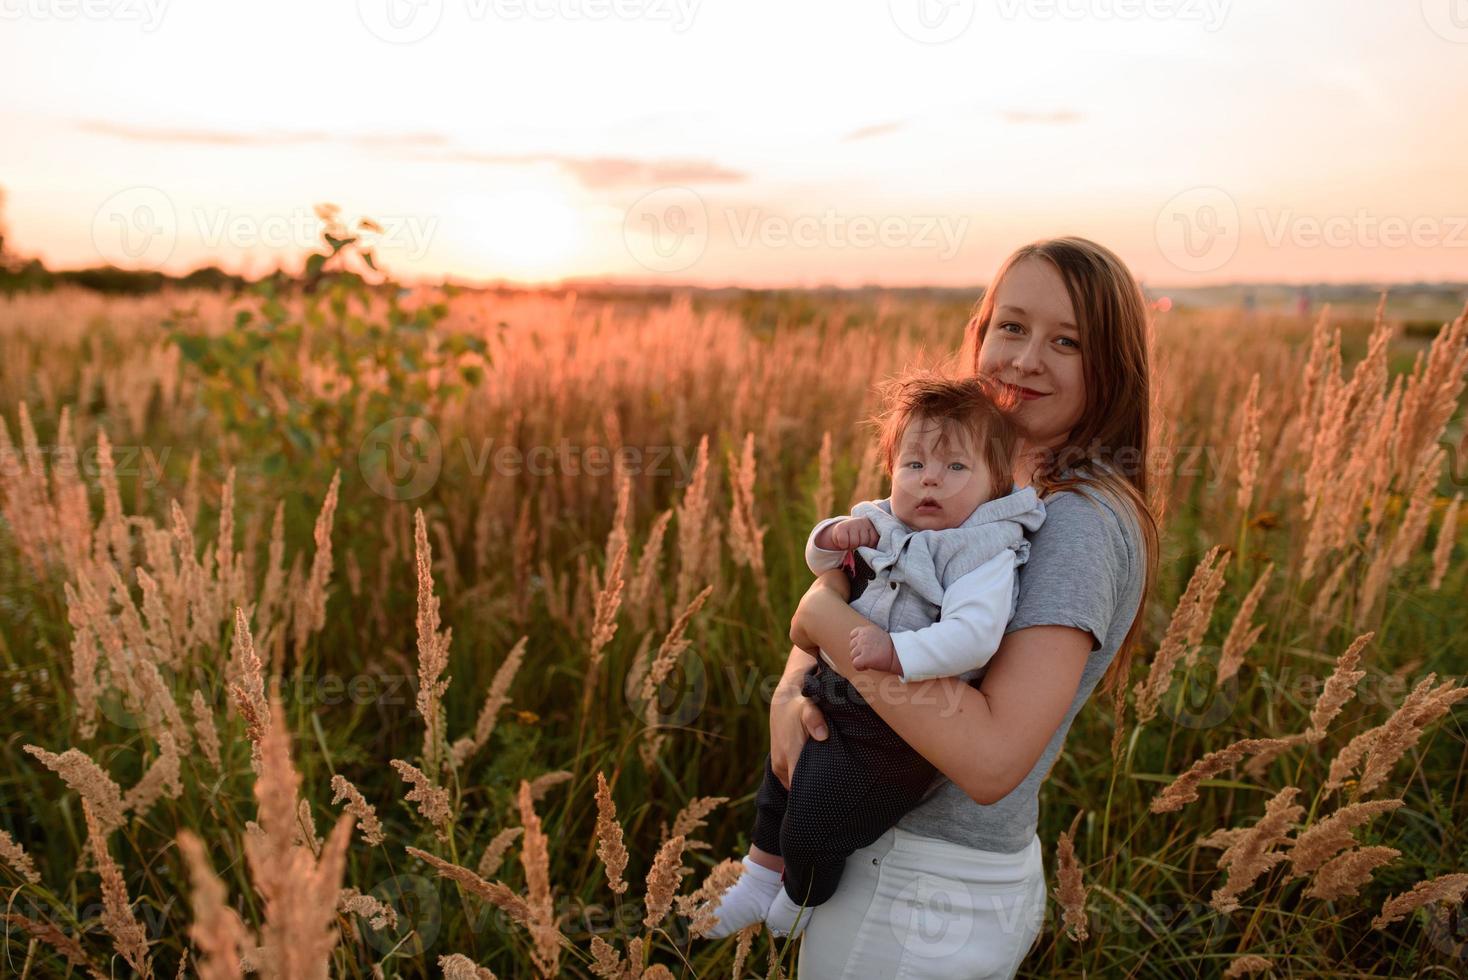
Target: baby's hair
(974, 405)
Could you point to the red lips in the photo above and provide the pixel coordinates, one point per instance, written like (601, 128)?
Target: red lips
(1026, 394)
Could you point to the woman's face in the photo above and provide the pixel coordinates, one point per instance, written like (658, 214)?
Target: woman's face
(1033, 346)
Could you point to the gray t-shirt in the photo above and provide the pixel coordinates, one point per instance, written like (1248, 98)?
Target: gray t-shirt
(1085, 570)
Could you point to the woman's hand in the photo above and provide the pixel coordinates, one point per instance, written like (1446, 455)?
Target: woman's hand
(793, 716)
(793, 719)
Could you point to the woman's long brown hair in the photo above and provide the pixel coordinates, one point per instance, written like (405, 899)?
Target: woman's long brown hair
(1108, 450)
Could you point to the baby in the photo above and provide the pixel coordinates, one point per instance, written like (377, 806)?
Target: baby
(933, 566)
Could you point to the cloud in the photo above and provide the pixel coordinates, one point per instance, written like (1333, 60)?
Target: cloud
(602, 173)
(867, 132)
(213, 137)
(1060, 117)
(595, 173)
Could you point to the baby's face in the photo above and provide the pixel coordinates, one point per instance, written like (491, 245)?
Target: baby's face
(934, 488)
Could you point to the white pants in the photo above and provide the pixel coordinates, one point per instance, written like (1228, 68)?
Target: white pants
(910, 906)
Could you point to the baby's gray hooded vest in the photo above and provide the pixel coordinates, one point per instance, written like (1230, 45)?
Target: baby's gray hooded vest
(914, 568)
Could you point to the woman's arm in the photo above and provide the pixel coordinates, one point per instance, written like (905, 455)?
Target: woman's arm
(986, 741)
(793, 717)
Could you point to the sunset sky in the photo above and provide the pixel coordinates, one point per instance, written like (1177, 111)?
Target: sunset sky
(752, 142)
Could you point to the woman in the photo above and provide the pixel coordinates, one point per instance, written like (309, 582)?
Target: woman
(957, 887)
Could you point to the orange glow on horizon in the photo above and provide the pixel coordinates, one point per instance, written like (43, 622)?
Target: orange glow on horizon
(680, 141)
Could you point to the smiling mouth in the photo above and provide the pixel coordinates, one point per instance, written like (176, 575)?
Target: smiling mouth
(1027, 393)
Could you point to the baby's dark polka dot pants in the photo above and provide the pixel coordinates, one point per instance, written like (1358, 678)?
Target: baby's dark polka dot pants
(846, 791)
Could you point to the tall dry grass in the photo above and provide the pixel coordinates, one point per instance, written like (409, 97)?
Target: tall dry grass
(522, 688)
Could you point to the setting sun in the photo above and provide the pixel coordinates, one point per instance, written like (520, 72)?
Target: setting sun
(521, 234)
(456, 518)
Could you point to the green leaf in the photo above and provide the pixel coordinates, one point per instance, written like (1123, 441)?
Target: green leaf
(302, 438)
(195, 349)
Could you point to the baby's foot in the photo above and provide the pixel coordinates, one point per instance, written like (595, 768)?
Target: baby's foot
(746, 900)
(781, 916)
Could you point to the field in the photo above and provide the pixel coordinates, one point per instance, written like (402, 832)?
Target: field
(506, 578)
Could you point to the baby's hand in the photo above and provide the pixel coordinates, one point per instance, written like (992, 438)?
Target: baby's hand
(871, 649)
(853, 532)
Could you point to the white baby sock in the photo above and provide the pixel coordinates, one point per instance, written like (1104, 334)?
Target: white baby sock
(746, 900)
(781, 915)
